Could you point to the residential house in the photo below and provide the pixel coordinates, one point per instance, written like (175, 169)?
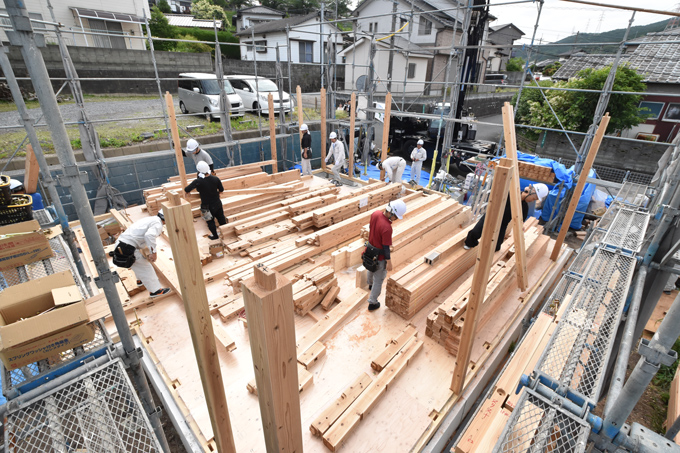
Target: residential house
(188, 21)
(306, 44)
(255, 15)
(116, 24)
(502, 38)
(659, 65)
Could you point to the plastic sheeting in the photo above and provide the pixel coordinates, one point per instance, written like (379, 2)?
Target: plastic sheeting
(557, 195)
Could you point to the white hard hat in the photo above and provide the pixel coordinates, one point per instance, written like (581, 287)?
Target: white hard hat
(192, 145)
(397, 207)
(203, 167)
(333, 135)
(304, 127)
(420, 142)
(541, 191)
(161, 215)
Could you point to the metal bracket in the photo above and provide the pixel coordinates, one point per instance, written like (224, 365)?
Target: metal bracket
(156, 412)
(653, 356)
(71, 173)
(105, 276)
(669, 210)
(136, 353)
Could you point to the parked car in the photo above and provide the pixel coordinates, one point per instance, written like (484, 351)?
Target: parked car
(256, 96)
(496, 79)
(200, 92)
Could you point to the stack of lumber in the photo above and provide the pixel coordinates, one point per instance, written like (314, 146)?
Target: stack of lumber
(445, 324)
(278, 261)
(309, 291)
(674, 403)
(533, 172)
(342, 416)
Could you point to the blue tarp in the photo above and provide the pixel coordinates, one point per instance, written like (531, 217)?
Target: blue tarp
(582, 205)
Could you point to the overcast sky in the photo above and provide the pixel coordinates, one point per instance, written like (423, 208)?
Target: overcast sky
(560, 19)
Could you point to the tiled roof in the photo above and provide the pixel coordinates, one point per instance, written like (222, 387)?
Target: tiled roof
(277, 25)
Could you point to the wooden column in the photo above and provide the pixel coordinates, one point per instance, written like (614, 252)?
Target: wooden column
(31, 171)
(272, 134)
(515, 197)
(268, 299)
(182, 237)
(386, 133)
(175, 138)
(480, 279)
(594, 148)
(301, 113)
(352, 119)
(324, 137)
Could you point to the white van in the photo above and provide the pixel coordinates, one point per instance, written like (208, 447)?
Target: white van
(200, 92)
(256, 97)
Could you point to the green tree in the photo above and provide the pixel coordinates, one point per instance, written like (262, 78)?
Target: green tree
(515, 65)
(164, 7)
(194, 47)
(576, 109)
(161, 28)
(552, 69)
(204, 9)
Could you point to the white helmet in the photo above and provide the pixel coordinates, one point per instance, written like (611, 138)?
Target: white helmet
(541, 191)
(397, 207)
(203, 167)
(333, 135)
(304, 128)
(192, 145)
(420, 142)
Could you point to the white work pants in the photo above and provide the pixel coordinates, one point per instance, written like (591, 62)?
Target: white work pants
(145, 272)
(416, 168)
(395, 173)
(337, 167)
(306, 165)
(375, 280)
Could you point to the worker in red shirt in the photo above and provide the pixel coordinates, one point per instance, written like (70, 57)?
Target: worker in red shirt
(376, 257)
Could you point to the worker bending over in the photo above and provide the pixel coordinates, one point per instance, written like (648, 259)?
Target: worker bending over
(337, 150)
(209, 188)
(197, 154)
(418, 155)
(376, 256)
(127, 252)
(305, 150)
(394, 167)
(532, 194)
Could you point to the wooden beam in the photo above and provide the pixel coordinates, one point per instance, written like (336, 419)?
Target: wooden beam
(515, 197)
(592, 152)
(485, 252)
(272, 133)
(31, 171)
(393, 347)
(352, 118)
(175, 139)
(268, 297)
(324, 137)
(386, 131)
(324, 421)
(182, 238)
(301, 113)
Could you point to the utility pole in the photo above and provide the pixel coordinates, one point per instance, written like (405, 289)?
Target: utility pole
(225, 105)
(390, 61)
(72, 178)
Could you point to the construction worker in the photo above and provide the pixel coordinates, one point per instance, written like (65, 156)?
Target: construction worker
(377, 253)
(337, 150)
(531, 194)
(306, 150)
(197, 154)
(209, 188)
(418, 155)
(394, 167)
(127, 252)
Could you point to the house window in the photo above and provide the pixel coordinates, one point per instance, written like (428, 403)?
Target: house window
(402, 22)
(306, 52)
(652, 110)
(7, 21)
(373, 27)
(424, 26)
(261, 46)
(411, 70)
(672, 113)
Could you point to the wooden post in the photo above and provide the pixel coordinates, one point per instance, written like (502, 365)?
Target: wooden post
(352, 118)
(301, 113)
(31, 171)
(268, 299)
(515, 197)
(324, 138)
(175, 139)
(272, 134)
(480, 279)
(182, 237)
(386, 133)
(592, 152)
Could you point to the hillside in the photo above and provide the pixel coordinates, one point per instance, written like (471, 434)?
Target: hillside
(549, 52)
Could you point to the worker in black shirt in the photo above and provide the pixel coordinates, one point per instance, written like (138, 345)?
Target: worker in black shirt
(209, 188)
(306, 150)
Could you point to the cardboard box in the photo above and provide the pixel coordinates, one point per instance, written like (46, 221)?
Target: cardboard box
(216, 249)
(22, 243)
(34, 326)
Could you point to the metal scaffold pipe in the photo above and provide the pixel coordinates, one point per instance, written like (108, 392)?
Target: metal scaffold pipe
(72, 178)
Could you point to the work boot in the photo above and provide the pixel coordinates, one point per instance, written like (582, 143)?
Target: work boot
(160, 292)
(139, 283)
(213, 237)
(373, 307)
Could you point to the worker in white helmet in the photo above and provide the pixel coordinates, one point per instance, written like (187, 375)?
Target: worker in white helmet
(209, 188)
(127, 252)
(337, 150)
(305, 150)
(376, 257)
(394, 168)
(197, 154)
(418, 155)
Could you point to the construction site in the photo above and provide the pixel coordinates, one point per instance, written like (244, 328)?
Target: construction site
(262, 332)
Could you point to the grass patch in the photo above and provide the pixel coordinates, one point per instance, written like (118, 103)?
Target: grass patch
(9, 106)
(662, 384)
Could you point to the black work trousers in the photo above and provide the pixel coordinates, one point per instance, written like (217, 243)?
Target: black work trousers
(218, 214)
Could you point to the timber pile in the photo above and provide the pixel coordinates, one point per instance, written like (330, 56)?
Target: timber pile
(674, 403)
(533, 172)
(309, 291)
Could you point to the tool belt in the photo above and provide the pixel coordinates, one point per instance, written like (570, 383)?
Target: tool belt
(124, 255)
(370, 257)
(307, 153)
(205, 213)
